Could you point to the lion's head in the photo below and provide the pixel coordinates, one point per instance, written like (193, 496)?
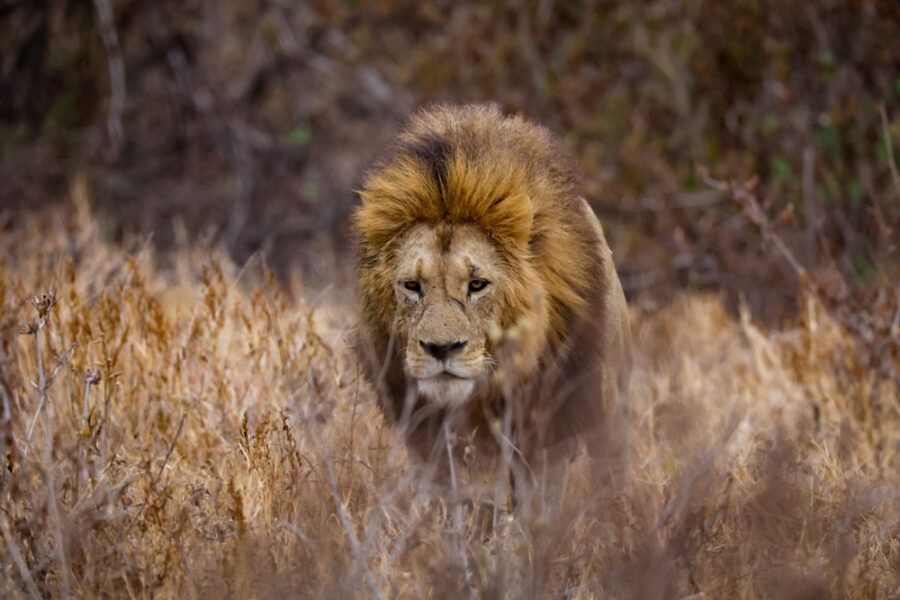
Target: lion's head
(472, 231)
(454, 292)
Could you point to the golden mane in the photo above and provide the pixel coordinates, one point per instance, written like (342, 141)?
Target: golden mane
(472, 164)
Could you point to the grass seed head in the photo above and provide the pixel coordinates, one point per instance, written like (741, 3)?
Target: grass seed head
(44, 303)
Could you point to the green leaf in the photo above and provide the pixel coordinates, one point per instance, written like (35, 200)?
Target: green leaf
(827, 59)
(855, 191)
(769, 124)
(865, 270)
(299, 136)
(828, 138)
(782, 169)
(881, 150)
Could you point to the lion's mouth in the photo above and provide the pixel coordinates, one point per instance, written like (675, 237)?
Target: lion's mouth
(446, 376)
(446, 388)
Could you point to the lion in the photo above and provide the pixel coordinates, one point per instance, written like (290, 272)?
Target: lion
(491, 315)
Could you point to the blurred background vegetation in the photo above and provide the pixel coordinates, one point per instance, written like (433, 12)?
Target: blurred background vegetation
(250, 123)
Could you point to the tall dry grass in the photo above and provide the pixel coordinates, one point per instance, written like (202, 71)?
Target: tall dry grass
(205, 433)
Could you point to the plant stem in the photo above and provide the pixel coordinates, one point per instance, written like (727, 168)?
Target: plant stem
(85, 419)
(42, 384)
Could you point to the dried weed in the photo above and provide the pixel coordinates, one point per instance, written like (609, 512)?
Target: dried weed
(204, 433)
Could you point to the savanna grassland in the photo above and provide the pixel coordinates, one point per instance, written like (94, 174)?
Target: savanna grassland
(200, 429)
(182, 416)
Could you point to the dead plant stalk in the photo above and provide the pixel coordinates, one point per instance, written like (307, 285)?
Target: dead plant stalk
(43, 304)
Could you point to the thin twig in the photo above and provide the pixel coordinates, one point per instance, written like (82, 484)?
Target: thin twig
(450, 456)
(810, 208)
(116, 72)
(678, 503)
(169, 452)
(86, 420)
(457, 508)
(296, 531)
(501, 489)
(20, 562)
(156, 479)
(354, 543)
(529, 49)
(90, 379)
(7, 411)
(4, 423)
(42, 385)
(744, 196)
(895, 322)
(889, 146)
(54, 510)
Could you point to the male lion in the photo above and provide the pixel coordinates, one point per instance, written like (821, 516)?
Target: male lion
(490, 308)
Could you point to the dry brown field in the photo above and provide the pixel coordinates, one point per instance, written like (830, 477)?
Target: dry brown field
(191, 428)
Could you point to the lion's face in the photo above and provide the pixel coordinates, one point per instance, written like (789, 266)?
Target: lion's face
(446, 280)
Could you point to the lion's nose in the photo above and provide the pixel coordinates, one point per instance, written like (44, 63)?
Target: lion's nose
(442, 351)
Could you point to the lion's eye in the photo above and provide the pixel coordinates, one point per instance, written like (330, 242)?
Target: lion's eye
(412, 285)
(476, 285)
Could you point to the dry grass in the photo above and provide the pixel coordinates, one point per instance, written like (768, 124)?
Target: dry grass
(229, 449)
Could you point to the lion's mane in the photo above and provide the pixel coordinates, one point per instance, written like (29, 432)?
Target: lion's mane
(472, 164)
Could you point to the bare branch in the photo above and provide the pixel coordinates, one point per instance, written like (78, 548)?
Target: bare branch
(116, 73)
(746, 199)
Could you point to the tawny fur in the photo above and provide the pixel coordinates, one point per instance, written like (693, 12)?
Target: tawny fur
(455, 167)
